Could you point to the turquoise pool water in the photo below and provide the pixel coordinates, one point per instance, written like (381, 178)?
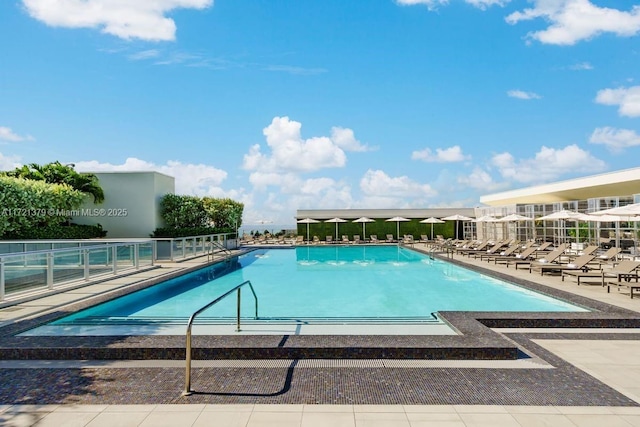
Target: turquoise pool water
(335, 282)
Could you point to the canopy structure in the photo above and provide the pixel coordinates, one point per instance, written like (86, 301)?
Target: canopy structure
(336, 220)
(397, 219)
(566, 215)
(308, 221)
(513, 218)
(432, 220)
(364, 220)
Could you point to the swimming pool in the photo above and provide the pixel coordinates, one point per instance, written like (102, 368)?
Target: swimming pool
(339, 283)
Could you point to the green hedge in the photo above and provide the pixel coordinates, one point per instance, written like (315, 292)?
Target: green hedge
(186, 232)
(60, 231)
(380, 227)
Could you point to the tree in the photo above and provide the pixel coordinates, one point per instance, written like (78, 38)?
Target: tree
(224, 213)
(57, 173)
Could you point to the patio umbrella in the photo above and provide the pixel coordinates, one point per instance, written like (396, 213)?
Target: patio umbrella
(628, 210)
(397, 219)
(432, 220)
(565, 215)
(364, 220)
(308, 221)
(486, 219)
(457, 218)
(516, 218)
(336, 220)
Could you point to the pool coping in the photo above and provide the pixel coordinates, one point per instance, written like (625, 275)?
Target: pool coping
(476, 340)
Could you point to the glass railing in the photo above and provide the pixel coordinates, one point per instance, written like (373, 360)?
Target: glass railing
(41, 270)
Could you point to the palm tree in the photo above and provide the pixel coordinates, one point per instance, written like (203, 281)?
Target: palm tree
(57, 173)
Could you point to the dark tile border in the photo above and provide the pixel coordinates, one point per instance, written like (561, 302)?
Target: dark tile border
(476, 341)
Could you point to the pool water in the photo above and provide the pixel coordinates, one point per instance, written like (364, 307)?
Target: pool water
(334, 282)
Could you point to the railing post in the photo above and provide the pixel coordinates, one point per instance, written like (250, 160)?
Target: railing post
(1, 279)
(50, 270)
(238, 318)
(114, 256)
(136, 255)
(187, 382)
(86, 264)
(184, 247)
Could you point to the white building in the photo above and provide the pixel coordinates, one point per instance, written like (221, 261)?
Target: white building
(132, 203)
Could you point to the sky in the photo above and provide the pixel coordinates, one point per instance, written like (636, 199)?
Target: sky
(324, 104)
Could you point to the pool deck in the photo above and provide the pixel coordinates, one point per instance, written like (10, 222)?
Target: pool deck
(571, 375)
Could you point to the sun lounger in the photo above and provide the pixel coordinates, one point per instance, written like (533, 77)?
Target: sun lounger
(492, 250)
(345, 239)
(624, 271)
(507, 252)
(356, 239)
(549, 258)
(524, 257)
(374, 238)
(578, 264)
(609, 255)
(390, 238)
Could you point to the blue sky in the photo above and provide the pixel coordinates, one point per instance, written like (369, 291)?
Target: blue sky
(302, 104)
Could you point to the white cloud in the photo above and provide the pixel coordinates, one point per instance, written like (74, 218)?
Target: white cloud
(581, 66)
(291, 153)
(627, 98)
(574, 20)
(484, 4)
(378, 183)
(144, 20)
(191, 179)
(144, 54)
(519, 94)
(8, 163)
(480, 179)
(547, 165)
(433, 4)
(345, 139)
(442, 155)
(615, 139)
(6, 134)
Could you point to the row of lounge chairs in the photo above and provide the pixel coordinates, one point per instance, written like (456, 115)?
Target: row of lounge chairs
(588, 266)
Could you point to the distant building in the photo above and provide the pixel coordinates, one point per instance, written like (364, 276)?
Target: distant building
(132, 203)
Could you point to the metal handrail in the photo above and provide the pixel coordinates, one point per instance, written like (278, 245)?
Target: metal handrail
(187, 384)
(214, 243)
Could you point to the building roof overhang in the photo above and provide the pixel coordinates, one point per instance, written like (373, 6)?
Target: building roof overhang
(621, 183)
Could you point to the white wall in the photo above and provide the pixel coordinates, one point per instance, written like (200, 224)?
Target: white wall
(132, 203)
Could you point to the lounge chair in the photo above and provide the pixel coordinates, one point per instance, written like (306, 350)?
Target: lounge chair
(424, 238)
(623, 271)
(610, 255)
(299, 240)
(316, 240)
(482, 246)
(578, 264)
(507, 252)
(407, 239)
(524, 257)
(624, 281)
(374, 238)
(328, 240)
(493, 250)
(549, 258)
(345, 239)
(390, 238)
(356, 239)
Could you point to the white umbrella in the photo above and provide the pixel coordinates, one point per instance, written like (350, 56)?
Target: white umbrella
(628, 210)
(516, 218)
(397, 219)
(432, 220)
(336, 220)
(457, 218)
(308, 221)
(486, 219)
(364, 220)
(564, 215)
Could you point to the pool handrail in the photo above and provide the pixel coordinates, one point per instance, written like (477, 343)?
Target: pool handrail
(187, 384)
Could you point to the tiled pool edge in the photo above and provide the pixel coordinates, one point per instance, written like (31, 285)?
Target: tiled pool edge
(476, 342)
